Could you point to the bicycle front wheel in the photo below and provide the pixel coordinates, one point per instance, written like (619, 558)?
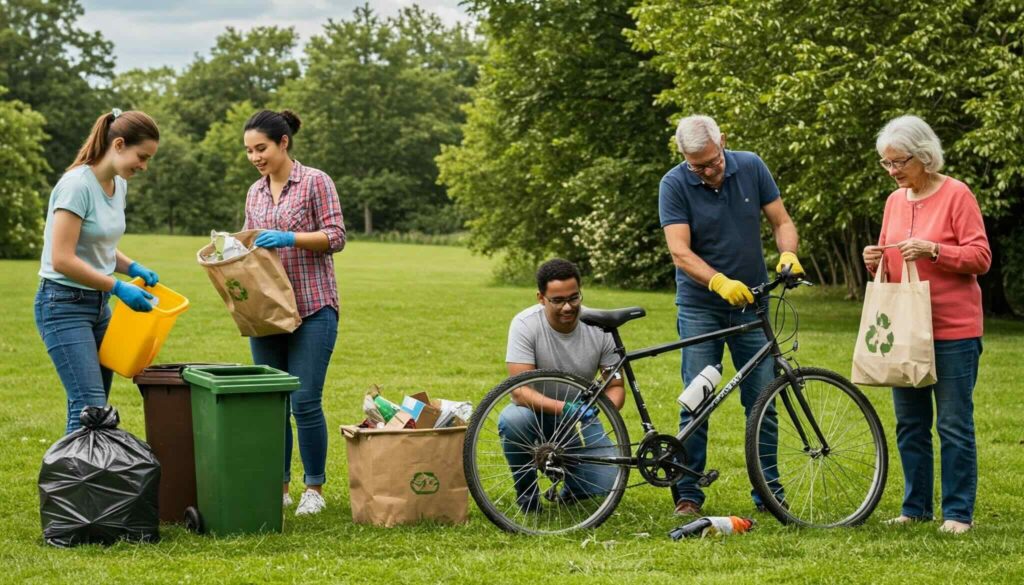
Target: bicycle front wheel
(523, 468)
(803, 479)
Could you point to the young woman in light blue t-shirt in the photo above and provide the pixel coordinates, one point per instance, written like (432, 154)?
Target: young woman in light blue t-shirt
(84, 223)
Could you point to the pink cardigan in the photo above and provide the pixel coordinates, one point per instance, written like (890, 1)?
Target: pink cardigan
(952, 218)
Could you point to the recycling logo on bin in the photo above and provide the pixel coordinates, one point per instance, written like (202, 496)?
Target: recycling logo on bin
(879, 337)
(424, 483)
(236, 290)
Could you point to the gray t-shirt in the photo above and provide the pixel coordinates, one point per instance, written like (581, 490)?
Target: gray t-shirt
(532, 340)
(79, 192)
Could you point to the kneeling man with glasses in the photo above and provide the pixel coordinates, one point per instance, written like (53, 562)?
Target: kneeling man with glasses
(549, 335)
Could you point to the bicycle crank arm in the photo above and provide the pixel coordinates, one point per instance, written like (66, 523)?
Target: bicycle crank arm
(693, 472)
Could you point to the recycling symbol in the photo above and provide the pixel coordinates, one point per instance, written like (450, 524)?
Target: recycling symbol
(880, 338)
(236, 290)
(425, 483)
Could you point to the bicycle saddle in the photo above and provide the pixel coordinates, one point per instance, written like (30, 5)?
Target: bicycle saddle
(612, 319)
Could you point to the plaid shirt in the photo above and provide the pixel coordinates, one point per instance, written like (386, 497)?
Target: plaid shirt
(308, 203)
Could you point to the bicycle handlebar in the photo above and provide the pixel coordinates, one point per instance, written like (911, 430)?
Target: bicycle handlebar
(784, 277)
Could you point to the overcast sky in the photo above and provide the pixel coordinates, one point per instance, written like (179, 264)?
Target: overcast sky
(170, 32)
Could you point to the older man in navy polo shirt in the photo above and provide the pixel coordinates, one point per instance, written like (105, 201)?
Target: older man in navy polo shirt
(710, 208)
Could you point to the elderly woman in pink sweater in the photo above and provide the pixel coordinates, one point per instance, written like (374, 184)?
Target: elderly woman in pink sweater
(934, 221)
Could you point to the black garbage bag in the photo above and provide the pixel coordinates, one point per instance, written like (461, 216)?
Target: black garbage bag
(98, 485)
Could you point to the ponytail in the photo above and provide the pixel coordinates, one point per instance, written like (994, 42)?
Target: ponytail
(133, 126)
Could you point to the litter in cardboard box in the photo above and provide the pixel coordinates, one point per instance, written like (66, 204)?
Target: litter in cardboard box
(417, 411)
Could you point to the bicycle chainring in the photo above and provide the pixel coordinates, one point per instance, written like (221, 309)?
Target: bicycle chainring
(654, 457)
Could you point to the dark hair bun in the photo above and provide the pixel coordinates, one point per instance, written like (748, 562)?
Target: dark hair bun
(292, 119)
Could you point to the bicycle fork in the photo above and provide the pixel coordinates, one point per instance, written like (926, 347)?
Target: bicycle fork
(796, 385)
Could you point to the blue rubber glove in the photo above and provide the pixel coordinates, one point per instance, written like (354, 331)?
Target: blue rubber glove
(147, 275)
(572, 406)
(133, 296)
(275, 239)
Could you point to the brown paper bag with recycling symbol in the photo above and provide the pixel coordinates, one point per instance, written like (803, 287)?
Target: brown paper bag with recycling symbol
(254, 287)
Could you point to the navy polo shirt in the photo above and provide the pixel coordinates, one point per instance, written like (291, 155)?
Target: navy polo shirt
(725, 223)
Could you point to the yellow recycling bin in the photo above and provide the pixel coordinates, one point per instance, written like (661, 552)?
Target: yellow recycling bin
(133, 339)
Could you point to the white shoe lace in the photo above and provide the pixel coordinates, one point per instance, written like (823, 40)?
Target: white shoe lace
(311, 503)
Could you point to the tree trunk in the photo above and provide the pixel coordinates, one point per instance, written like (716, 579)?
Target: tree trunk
(856, 287)
(847, 275)
(817, 269)
(831, 267)
(367, 219)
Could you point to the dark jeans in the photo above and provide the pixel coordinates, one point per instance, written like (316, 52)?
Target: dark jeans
(696, 321)
(953, 413)
(72, 322)
(520, 428)
(304, 353)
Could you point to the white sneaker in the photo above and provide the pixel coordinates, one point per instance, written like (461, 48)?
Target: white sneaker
(310, 503)
(287, 500)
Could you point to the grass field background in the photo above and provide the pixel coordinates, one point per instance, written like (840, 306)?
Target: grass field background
(430, 318)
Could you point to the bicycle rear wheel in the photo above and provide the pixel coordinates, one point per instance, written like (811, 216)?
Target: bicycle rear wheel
(802, 481)
(520, 465)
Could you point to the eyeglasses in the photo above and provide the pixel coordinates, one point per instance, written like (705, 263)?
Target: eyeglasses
(558, 302)
(895, 164)
(699, 169)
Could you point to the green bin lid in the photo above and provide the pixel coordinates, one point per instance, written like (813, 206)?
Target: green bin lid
(240, 379)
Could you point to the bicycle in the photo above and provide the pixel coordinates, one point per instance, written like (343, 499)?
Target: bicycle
(830, 454)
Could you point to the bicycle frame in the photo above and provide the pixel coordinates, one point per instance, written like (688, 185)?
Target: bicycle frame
(770, 347)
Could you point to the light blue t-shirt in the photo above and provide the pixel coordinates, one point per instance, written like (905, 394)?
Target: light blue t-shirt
(79, 192)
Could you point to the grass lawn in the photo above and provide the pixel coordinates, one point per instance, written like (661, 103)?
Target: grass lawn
(428, 318)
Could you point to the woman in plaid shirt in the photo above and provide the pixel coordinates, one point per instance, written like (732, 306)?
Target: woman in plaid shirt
(298, 209)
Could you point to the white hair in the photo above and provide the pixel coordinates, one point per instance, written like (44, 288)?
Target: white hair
(913, 136)
(695, 132)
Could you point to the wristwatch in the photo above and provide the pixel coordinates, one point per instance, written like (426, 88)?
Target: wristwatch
(935, 251)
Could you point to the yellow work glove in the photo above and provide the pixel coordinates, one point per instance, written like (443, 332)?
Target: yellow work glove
(790, 259)
(733, 291)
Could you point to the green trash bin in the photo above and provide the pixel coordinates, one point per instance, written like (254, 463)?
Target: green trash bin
(238, 422)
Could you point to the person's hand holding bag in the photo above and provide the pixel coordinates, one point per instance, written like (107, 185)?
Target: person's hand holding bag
(275, 239)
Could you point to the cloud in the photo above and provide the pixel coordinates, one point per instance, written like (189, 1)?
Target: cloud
(153, 34)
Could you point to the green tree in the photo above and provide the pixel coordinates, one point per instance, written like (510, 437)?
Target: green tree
(47, 62)
(809, 90)
(170, 196)
(378, 99)
(242, 66)
(222, 154)
(21, 180)
(563, 147)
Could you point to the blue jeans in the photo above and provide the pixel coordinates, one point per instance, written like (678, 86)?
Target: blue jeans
(304, 353)
(957, 369)
(697, 321)
(72, 322)
(520, 427)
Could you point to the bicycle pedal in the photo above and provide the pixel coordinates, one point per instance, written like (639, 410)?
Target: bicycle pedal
(708, 478)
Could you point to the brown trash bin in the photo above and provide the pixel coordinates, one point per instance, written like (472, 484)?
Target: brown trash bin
(167, 402)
